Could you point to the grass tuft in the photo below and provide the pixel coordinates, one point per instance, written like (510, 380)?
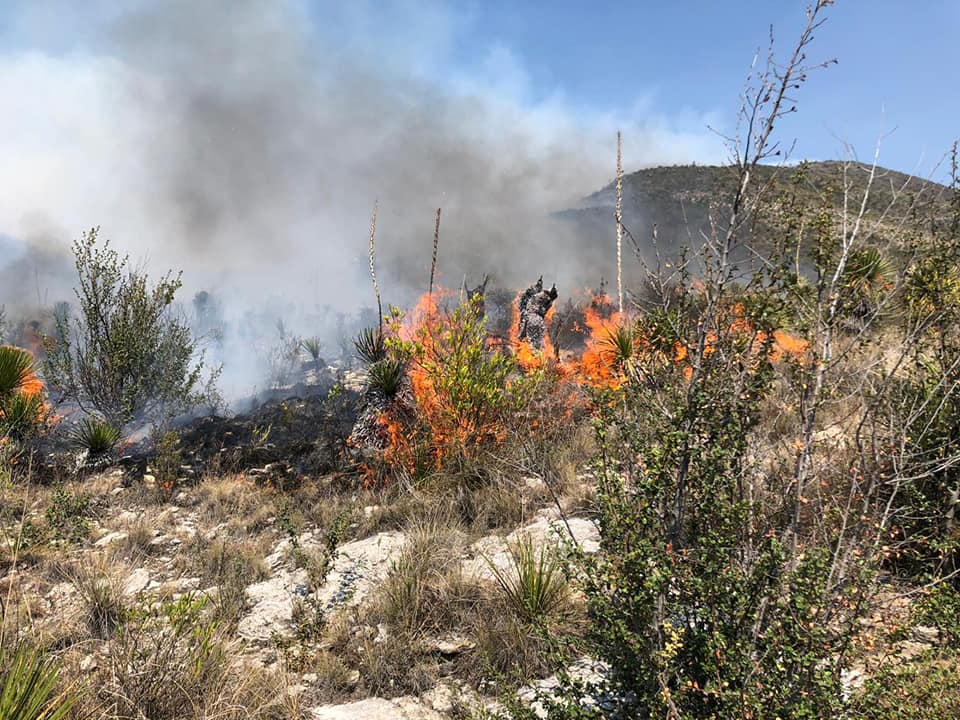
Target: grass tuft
(534, 584)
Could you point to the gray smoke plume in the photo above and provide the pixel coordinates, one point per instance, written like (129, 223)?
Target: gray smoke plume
(246, 141)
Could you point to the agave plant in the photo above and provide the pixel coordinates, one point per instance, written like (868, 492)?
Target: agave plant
(867, 271)
(96, 436)
(370, 346)
(386, 376)
(20, 413)
(28, 688)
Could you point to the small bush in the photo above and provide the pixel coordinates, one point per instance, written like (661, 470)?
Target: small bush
(940, 607)
(166, 658)
(929, 688)
(67, 515)
(166, 464)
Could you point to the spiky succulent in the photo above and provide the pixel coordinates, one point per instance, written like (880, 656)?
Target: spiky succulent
(385, 376)
(312, 346)
(28, 687)
(370, 346)
(16, 369)
(20, 413)
(96, 436)
(867, 270)
(620, 346)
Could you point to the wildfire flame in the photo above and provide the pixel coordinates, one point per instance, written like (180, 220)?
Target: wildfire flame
(612, 343)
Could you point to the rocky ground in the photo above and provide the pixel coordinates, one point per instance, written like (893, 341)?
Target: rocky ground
(344, 602)
(266, 581)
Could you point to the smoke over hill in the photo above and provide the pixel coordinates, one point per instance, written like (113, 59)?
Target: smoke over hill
(245, 142)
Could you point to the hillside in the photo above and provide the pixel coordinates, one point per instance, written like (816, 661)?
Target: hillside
(677, 198)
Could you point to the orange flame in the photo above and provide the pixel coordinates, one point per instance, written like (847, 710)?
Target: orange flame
(437, 428)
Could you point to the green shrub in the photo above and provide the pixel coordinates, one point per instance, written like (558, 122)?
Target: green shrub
(67, 515)
(167, 462)
(126, 355)
(940, 607)
(168, 659)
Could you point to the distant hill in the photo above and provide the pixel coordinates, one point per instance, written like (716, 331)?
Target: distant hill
(678, 198)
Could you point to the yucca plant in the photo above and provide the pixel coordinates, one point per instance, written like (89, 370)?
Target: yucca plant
(370, 346)
(620, 346)
(867, 271)
(96, 436)
(28, 688)
(20, 413)
(312, 347)
(386, 376)
(534, 585)
(16, 369)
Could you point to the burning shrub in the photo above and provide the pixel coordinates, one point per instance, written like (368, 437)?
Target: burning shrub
(467, 394)
(126, 355)
(22, 407)
(440, 393)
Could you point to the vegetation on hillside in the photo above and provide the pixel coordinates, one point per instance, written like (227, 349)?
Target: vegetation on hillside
(752, 467)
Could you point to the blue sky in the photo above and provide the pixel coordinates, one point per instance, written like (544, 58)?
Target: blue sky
(897, 64)
(896, 75)
(683, 62)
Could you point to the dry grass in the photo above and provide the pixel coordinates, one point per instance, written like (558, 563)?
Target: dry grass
(230, 566)
(140, 536)
(98, 583)
(242, 505)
